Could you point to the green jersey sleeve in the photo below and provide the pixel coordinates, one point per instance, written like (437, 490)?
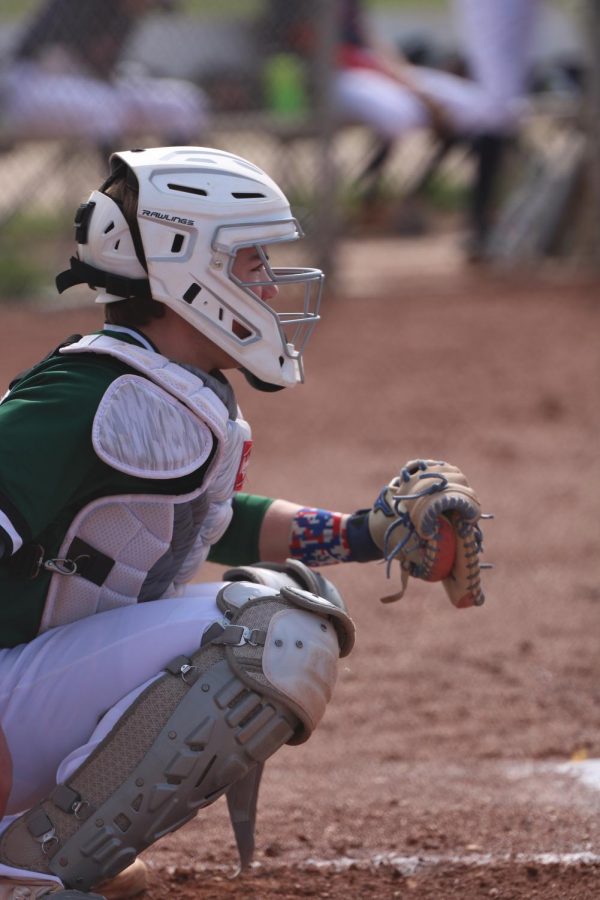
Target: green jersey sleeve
(239, 546)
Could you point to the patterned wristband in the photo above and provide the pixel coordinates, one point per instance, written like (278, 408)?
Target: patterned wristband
(318, 538)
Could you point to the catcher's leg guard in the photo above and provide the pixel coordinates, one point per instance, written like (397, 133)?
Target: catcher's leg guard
(243, 795)
(261, 678)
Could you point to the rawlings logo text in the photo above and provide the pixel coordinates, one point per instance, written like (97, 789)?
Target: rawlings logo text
(154, 214)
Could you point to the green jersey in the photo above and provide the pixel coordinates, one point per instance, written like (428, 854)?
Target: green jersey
(49, 471)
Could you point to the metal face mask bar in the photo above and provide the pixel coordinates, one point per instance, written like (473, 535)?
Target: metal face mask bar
(296, 305)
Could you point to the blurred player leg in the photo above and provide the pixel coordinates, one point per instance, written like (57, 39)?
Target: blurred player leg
(373, 99)
(497, 41)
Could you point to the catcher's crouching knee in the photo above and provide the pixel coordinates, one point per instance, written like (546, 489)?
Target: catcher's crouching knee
(292, 573)
(261, 678)
(298, 651)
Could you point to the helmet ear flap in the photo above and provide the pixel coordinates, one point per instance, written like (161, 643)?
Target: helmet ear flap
(120, 171)
(109, 243)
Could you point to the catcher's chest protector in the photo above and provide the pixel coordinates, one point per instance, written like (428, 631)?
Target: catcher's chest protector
(261, 678)
(158, 425)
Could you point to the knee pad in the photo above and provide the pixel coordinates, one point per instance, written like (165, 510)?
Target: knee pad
(291, 574)
(261, 678)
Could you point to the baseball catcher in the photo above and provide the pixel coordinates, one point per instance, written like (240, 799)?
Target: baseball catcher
(131, 695)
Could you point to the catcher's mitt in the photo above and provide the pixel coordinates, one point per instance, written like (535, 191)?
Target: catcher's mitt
(427, 519)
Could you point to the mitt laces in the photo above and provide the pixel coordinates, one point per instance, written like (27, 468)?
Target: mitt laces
(410, 540)
(402, 527)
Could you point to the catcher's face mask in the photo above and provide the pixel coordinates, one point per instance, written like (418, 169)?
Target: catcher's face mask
(289, 296)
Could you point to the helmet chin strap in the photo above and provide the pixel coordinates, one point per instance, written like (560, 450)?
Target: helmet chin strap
(119, 285)
(260, 385)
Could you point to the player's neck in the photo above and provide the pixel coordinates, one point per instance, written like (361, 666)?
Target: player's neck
(178, 340)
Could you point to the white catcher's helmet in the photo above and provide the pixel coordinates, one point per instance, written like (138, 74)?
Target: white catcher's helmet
(197, 207)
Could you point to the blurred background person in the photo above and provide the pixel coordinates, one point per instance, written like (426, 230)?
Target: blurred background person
(66, 78)
(481, 102)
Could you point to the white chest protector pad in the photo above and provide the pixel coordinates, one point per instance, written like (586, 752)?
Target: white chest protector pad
(143, 431)
(159, 424)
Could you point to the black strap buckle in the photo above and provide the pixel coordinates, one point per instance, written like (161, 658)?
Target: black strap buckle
(82, 221)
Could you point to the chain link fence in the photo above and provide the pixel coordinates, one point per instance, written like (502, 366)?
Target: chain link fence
(82, 77)
(79, 78)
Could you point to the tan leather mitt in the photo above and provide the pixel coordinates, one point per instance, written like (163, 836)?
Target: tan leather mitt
(427, 518)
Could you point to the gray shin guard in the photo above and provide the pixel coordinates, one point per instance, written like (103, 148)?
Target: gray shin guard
(205, 726)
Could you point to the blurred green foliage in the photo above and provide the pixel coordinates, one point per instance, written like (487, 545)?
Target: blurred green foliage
(444, 193)
(23, 275)
(20, 279)
(18, 9)
(27, 227)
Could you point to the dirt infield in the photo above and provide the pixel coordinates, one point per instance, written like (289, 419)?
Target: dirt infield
(457, 757)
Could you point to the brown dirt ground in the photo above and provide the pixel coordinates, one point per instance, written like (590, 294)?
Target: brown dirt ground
(433, 774)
